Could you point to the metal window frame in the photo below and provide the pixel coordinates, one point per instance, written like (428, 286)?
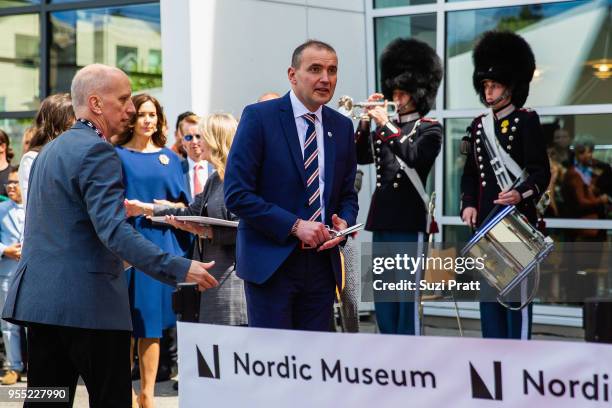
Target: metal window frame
(44, 9)
(545, 314)
(443, 6)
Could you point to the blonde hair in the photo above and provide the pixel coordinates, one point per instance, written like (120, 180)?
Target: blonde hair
(218, 130)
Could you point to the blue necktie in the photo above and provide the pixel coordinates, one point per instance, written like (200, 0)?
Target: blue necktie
(311, 165)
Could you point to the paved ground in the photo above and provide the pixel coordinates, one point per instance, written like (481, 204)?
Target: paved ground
(166, 397)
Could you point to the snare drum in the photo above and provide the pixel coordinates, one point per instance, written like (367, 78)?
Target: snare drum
(511, 249)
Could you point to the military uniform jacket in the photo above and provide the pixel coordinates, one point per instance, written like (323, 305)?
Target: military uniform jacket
(520, 134)
(396, 204)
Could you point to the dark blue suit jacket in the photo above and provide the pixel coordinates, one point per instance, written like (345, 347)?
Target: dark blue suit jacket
(265, 184)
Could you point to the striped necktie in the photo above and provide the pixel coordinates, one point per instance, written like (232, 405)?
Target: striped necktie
(311, 165)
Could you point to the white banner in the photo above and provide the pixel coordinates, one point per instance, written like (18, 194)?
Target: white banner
(221, 366)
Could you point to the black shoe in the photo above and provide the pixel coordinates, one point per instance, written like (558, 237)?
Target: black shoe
(164, 373)
(175, 386)
(135, 372)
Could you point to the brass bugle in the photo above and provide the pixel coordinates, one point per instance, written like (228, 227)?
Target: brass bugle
(358, 110)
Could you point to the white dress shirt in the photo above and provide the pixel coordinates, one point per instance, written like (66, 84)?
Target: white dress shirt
(300, 123)
(25, 166)
(202, 174)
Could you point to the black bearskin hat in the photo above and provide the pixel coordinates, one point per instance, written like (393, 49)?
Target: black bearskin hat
(414, 67)
(504, 57)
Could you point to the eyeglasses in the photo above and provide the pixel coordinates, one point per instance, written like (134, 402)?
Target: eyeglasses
(189, 138)
(11, 184)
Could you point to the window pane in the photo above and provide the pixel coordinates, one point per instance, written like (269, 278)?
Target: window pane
(453, 163)
(126, 37)
(19, 62)
(15, 129)
(575, 76)
(17, 3)
(387, 29)
(578, 190)
(398, 3)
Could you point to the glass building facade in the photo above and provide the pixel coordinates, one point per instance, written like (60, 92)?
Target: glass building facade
(571, 91)
(45, 42)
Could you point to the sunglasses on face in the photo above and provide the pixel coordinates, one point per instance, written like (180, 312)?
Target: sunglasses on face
(11, 183)
(189, 138)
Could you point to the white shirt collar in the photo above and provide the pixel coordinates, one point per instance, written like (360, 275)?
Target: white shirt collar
(300, 110)
(192, 163)
(409, 117)
(502, 113)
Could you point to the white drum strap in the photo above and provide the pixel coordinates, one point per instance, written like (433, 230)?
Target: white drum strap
(417, 293)
(414, 178)
(500, 154)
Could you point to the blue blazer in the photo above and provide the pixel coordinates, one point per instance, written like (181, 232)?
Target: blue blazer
(265, 184)
(11, 231)
(76, 235)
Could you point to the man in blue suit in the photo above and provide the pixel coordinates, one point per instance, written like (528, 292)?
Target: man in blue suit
(290, 171)
(69, 288)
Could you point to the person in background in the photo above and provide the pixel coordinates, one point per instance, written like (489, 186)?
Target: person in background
(503, 69)
(196, 173)
(583, 199)
(177, 147)
(27, 137)
(12, 219)
(562, 140)
(151, 171)
(54, 117)
(268, 96)
(403, 151)
(226, 304)
(195, 168)
(6, 155)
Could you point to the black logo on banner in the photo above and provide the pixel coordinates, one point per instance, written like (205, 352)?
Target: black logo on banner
(204, 370)
(480, 390)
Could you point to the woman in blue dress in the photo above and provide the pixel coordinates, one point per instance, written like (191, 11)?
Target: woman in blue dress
(151, 172)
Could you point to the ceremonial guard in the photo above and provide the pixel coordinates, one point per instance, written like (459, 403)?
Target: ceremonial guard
(514, 146)
(403, 150)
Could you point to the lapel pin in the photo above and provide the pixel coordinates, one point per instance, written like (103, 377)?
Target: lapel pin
(329, 134)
